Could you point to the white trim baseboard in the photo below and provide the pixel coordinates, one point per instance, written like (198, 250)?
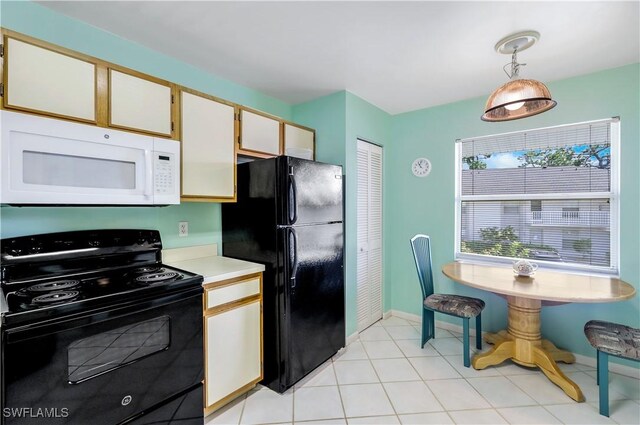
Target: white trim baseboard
(353, 337)
(582, 359)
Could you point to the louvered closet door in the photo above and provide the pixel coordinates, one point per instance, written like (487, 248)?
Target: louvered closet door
(369, 278)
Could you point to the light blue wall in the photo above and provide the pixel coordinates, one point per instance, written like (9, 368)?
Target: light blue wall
(367, 122)
(416, 205)
(327, 115)
(340, 119)
(204, 219)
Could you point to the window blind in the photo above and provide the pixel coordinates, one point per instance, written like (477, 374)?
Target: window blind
(549, 195)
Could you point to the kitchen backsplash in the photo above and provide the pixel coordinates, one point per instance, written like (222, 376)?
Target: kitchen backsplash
(204, 221)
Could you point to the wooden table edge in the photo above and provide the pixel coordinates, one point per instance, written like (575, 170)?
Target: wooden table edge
(529, 296)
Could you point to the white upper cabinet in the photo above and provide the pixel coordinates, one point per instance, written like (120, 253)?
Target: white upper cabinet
(208, 149)
(259, 133)
(137, 103)
(299, 141)
(43, 81)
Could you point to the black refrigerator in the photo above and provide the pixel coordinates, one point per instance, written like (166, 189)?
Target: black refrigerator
(289, 217)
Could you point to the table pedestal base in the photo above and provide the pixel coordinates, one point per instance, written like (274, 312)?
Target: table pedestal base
(522, 343)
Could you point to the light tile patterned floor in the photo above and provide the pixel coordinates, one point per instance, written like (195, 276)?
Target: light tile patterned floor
(386, 378)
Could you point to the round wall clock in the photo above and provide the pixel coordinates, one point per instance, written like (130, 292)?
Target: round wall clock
(421, 167)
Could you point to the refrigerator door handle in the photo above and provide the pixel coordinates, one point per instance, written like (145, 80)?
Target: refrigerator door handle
(293, 198)
(293, 244)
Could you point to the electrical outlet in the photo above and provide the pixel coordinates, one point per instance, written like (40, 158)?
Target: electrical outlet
(183, 228)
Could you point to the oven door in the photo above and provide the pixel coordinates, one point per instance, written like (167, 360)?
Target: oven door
(47, 161)
(106, 367)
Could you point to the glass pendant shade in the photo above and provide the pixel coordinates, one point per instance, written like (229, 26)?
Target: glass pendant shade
(519, 98)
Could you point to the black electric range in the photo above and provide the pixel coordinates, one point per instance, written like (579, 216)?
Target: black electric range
(49, 298)
(95, 329)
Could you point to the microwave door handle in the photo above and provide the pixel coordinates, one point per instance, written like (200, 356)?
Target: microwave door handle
(148, 174)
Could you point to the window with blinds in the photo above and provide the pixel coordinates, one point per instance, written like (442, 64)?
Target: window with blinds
(549, 195)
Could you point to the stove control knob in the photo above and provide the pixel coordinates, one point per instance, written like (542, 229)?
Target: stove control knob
(35, 246)
(14, 249)
(34, 249)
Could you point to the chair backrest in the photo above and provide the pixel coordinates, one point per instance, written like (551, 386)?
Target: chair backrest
(421, 246)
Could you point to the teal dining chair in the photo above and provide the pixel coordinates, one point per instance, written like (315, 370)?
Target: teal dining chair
(610, 339)
(453, 305)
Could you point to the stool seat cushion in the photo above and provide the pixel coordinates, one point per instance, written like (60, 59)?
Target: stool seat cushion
(613, 338)
(456, 305)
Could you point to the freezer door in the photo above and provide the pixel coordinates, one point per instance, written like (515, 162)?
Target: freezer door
(311, 192)
(314, 295)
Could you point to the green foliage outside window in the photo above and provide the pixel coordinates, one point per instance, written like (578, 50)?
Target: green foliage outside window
(476, 162)
(501, 242)
(598, 156)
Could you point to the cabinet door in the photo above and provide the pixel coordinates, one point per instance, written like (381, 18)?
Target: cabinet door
(139, 104)
(238, 290)
(42, 80)
(259, 134)
(233, 351)
(299, 141)
(208, 150)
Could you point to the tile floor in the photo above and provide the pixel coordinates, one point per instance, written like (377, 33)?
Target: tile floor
(385, 378)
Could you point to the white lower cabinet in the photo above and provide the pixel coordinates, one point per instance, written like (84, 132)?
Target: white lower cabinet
(233, 343)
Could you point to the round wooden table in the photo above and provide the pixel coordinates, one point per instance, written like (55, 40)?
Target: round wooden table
(521, 341)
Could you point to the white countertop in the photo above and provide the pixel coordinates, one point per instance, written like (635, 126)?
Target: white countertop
(216, 268)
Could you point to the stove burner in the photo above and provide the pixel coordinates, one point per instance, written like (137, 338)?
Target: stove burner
(53, 286)
(55, 297)
(147, 269)
(152, 278)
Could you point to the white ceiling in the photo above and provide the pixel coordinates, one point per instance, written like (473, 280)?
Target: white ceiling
(400, 56)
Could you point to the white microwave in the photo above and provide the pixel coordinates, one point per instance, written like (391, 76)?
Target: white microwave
(48, 161)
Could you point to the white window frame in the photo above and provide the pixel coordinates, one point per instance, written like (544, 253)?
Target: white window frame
(613, 196)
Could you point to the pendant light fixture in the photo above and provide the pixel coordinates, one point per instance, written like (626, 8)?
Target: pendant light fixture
(519, 98)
